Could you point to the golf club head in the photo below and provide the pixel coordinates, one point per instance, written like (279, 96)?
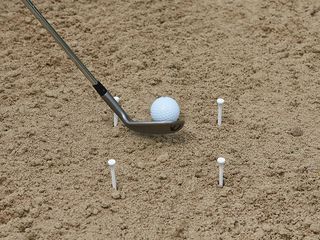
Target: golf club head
(144, 127)
(155, 127)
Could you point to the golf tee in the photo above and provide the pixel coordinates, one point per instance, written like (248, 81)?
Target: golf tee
(112, 166)
(220, 102)
(221, 161)
(115, 116)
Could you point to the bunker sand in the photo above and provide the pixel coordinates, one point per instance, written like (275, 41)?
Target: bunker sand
(56, 134)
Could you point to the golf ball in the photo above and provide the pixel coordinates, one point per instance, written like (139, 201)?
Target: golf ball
(165, 109)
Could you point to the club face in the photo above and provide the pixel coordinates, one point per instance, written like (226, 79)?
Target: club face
(155, 127)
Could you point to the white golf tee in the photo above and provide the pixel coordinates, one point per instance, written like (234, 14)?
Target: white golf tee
(220, 102)
(112, 165)
(221, 161)
(115, 116)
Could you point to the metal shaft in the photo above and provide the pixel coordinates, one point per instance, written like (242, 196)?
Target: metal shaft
(60, 41)
(105, 95)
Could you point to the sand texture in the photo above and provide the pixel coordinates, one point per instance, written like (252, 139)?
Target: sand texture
(56, 134)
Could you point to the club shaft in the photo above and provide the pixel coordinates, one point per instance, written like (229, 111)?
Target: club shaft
(105, 95)
(60, 41)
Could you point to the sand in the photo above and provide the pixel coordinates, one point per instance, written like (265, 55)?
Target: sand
(56, 134)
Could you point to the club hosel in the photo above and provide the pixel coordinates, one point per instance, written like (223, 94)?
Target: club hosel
(114, 105)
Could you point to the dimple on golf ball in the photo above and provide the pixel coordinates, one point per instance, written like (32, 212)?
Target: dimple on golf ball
(165, 109)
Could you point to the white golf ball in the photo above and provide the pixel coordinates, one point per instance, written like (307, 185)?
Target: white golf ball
(165, 109)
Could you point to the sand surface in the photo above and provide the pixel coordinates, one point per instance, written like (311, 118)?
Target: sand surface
(56, 134)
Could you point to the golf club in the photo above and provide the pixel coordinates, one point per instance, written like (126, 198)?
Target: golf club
(146, 127)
